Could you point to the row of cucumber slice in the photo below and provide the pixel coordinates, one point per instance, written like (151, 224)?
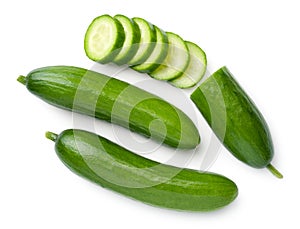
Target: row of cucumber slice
(145, 48)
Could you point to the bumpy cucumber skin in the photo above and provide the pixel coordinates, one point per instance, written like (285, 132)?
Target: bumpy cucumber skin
(188, 190)
(115, 101)
(247, 135)
(117, 45)
(135, 42)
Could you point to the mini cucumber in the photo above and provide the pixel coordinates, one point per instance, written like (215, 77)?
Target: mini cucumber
(147, 41)
(157, 56)
(235, 120)
(195, 70)
(132, 38)
(104, 39)
(176, 61)
(107, 98)
(114, 167)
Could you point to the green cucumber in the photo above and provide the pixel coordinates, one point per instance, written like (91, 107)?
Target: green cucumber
(110, 99)
(132, 38)
(114, 167)
(104, 39)
(235, 120)
(147, 41)
(157, 56)
(195, 70)
(176, 61)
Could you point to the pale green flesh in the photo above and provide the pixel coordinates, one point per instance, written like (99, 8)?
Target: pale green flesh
(100, 38)
(176, 60)
(158, 55)
(195, 70)
(129, 33)
(146, 43)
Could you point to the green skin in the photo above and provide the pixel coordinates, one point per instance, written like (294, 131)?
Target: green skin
(110, 99)
(113, 167)
(235, 120)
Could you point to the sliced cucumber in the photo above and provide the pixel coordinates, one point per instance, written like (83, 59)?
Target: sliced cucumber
(132, 38)
(195, 69)
(147, 42)
(104, 39)
(158, 55)
(176, 61)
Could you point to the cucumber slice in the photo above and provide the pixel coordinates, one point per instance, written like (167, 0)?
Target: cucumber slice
(132, 38)
(176, 61)
(158, 55)
(147, 42)
(104, 39)
(195, 70)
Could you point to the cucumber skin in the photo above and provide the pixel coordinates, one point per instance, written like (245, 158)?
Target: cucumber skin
(247, 135)
(188, 190)
(60, 85)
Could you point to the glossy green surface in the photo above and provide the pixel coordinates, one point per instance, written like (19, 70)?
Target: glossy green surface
(107, 98)
(111, 166)
(234, 118)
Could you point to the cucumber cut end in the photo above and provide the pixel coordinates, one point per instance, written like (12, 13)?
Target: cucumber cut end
(274, 171)
(176, 61)
(103, 39)
(157, 56)
(51, 136)
(22, 79)
(132, 38)
(195, 69)
(147, 41)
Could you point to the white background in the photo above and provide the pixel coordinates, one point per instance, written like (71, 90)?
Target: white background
(259, 41)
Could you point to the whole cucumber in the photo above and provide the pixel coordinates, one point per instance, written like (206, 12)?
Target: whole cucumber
(113, 167)
(235, 119)
(107, 98)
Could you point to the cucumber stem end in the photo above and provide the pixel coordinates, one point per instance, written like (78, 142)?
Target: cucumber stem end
(51, 136)
(274, 171)
(22, 79)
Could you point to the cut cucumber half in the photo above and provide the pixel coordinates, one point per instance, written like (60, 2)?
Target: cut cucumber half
(176, 61)
(104, 39)
(147, 42)
(195, 70)
(158, 55)
(132, 38)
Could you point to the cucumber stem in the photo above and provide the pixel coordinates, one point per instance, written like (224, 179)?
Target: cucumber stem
(274, 171)
(22, 79)
(51, 136)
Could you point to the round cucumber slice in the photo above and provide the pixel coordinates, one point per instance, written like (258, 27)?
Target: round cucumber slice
(132, 38)
(147, 42)
(104, 39)
(158, 55)
(195, 70)
(176, 61)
